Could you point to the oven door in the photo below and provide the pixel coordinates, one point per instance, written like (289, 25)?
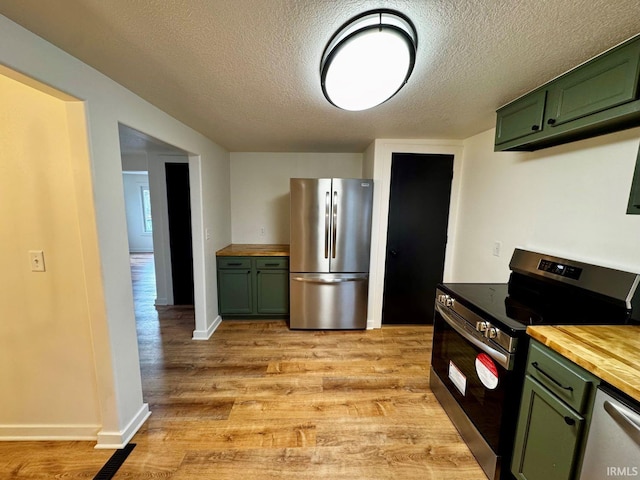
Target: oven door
(479, 375)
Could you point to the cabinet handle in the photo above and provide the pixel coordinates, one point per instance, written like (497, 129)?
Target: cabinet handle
(535, 128)
(234, 264)
(535, 365)
(569, 421)
(551, 121)
(271, 264)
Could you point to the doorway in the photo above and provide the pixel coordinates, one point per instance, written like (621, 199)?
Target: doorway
(416, 236)
(179, 214)
(143, 154)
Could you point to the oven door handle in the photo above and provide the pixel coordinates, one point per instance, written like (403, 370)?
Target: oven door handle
(499, 357)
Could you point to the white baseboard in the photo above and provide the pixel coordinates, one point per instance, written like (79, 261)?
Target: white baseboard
(206, 334)
(161, 301)
(73, 432)
(114, 440)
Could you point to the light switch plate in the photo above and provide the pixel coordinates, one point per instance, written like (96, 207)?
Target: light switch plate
(36, 259)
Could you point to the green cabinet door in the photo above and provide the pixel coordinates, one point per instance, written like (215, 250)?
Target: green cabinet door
(521, 118)
(235, 292)
(602, 83)
(272, 285)
(272, 292)
(547, 436)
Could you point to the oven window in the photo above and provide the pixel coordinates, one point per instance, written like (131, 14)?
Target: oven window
(479, 385)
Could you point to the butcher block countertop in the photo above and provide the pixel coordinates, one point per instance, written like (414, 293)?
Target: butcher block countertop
(254, 250)
(612, 353)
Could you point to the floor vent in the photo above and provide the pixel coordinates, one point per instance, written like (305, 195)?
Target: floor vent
(113, 464)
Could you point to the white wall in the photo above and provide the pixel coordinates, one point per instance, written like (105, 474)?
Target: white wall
(568, 200)
(106, 103)
(47, 374)
(260, 189)
(140, 241)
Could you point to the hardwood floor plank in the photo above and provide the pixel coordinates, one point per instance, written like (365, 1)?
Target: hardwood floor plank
(43, 460)
(350, 367)
(395, 432)
(346, 462)
(211, 435)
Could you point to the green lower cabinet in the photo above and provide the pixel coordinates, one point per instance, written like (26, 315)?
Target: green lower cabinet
(253, 287)
(273, 291)
(548, 436)
(555, 412)
(235, 291)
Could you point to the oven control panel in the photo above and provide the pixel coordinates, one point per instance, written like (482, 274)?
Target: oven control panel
(556, 268)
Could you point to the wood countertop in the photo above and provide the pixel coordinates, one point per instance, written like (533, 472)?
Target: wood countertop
(254, 250)
(612, 353)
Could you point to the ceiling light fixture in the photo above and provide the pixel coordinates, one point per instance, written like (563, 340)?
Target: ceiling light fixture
(368, 60)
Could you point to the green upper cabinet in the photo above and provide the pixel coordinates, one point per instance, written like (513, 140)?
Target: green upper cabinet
(600, 96)
(605, 82)
(521, 118)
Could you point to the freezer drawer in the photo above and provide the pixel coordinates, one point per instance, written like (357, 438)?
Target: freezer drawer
(328, 301)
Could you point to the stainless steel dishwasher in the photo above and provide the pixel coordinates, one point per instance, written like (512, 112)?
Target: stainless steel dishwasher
(613, 442)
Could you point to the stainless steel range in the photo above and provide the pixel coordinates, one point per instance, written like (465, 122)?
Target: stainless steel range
(480, 341)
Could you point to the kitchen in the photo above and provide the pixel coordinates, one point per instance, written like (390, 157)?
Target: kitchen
(519, 199)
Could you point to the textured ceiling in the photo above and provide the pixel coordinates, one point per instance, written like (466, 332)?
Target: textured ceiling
(245, 72)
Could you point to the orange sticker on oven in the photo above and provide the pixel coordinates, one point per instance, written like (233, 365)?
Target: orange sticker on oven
(487, 371)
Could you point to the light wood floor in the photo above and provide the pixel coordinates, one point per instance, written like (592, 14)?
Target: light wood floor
(258, 401)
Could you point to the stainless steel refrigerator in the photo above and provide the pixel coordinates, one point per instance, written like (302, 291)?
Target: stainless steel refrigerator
(329, 252)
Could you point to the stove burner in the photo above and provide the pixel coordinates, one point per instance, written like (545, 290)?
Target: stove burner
(522, 313)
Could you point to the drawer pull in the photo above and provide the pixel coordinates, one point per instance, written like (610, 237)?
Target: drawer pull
(271, 264)
(535, 365)
(569, 421)
(237, 264)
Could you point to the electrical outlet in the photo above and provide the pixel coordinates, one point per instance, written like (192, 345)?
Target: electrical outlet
(497, 247)
(207, 234)
(262, 231)
(36, 259)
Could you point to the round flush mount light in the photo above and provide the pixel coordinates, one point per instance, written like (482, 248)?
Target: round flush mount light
(368, 60)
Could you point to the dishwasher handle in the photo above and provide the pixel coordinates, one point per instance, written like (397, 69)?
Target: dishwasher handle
(628, 424)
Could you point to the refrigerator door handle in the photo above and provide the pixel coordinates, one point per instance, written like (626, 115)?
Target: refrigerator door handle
(335, 224)
(327, 222)
(328, 280)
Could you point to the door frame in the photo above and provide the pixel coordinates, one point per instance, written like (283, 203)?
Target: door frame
(377, 165)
